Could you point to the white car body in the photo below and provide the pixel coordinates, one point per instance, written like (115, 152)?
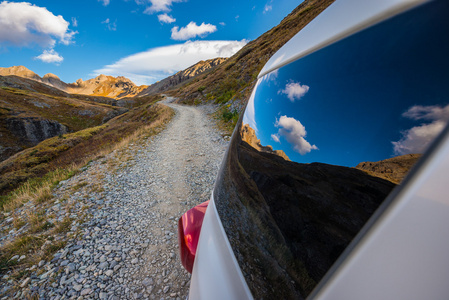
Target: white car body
(401, 253)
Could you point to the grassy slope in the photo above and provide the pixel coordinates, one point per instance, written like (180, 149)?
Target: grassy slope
(79, 147)
(35, 101)
(236, 77)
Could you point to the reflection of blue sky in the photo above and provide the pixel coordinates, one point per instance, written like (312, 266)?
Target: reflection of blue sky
(353, 102)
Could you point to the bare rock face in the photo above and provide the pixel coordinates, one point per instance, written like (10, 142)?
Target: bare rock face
(249, 135)
(19, 71)
(35, 130)
(102, 85)
(392, 169)
(172, 81)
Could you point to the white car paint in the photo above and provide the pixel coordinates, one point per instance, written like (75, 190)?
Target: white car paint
(404, 253)
(216, 275)
(339, 20)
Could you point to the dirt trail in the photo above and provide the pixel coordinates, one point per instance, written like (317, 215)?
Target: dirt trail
(132, 199)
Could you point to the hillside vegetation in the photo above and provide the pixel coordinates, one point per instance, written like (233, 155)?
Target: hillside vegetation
(31, 112)
(76, 149)
(234, 79)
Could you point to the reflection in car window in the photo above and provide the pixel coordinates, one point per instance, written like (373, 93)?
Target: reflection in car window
(322, 143)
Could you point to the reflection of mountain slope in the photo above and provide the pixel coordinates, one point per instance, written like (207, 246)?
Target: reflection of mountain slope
(249, 135)
(294, 220)
(392, 169)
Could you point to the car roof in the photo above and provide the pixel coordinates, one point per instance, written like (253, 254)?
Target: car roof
(345, 18)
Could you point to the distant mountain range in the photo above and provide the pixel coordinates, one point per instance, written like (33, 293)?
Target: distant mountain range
(113, 87)
(34, 108)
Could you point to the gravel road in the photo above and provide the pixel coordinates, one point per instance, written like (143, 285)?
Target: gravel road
(127, 246)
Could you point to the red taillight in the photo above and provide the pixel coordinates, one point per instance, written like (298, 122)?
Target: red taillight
(189, 228)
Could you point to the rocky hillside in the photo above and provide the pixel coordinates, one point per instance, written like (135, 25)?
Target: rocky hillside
(102, 85)
(235, 78)
(392, 169)
(182, 76)
(31, 112)
(248, 135)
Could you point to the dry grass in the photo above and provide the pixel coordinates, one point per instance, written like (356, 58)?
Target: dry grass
(57, 159)
(37, 189)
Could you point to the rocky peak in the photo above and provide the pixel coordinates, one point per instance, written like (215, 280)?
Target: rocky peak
(19, 71)
(201, 66)
(50, 76)
(249, 135)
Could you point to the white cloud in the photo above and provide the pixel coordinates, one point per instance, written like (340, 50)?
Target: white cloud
(418, 138)
(164, 18)
(50, 56)
(104, 2)
(157, 63)
(74, 22)
(112, 26)
(222, 23)
(191, 31)
(294, 132)
(275, 137)
(294, 91)
(22, 24)
(159, 5)
(267, 8)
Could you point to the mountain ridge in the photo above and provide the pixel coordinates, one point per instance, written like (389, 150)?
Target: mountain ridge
(113, 87)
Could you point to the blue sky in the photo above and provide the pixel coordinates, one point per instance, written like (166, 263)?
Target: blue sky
(379, 93)
(144, 40)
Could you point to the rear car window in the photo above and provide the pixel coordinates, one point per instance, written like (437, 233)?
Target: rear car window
(324, 140)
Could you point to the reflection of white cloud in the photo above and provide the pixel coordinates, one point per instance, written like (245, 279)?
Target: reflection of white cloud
(164, 18)
(22, 24)
(250, 114)
(432, 113)
(50, 56)
(294, 132)
(294, 90)
(272, 76)
(192, 30)
(418, 138)
(157, 63)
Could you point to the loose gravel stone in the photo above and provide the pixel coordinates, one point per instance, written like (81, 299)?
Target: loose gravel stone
(125, 216)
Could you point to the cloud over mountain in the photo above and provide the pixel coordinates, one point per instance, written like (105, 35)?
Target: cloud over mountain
(191, 31)
(157, 63)
(50, 56)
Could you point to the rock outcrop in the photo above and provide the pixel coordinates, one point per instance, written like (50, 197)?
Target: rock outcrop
(35, 130)
(182, 76)
(392, 169)
(106, 86)
(249, 135)
(102, 85)
(20, 71)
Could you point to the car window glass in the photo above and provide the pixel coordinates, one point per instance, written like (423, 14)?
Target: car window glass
(324, 140)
